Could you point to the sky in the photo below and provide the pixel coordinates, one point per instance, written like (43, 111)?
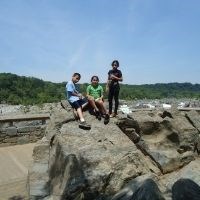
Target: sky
(155, 41)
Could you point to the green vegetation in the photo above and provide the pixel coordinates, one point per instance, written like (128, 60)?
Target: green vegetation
(28, 90)
(16, 89)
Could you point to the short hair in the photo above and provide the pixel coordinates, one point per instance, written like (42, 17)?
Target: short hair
(95, 77)
(77, 74)
(115, 62)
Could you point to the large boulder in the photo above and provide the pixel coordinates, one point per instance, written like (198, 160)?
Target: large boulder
(164, 137)
(107, 157)
(72, 163)
(85, 163)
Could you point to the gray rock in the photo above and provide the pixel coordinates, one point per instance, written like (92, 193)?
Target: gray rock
(98, 163)
(194, 118)
(11, 131)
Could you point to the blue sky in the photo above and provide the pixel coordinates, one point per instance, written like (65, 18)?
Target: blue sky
(155, 41)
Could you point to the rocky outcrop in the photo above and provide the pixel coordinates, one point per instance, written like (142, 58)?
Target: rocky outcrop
(169, 141)
(72, 163)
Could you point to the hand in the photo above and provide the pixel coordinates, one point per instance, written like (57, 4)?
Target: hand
(90, 97)
(80, 95)
(112, 76)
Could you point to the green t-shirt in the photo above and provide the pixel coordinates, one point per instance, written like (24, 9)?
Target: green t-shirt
(95, 91)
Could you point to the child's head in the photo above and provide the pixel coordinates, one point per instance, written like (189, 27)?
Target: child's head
(94, 80)
(76, 77)
(115, 64)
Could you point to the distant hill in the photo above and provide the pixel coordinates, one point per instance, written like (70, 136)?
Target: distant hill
(16, 89)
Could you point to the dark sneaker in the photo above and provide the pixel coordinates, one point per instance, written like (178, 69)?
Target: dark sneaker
(84, 125)
(106, 119)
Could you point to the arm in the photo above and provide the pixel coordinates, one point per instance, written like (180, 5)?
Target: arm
(71, 90)
(101, 97)
(117, 78)
(79, 95)
(120, 77)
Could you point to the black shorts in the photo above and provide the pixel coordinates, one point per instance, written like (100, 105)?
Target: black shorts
(79, 103)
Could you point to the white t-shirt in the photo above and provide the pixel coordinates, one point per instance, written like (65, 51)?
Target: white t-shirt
(71, 88)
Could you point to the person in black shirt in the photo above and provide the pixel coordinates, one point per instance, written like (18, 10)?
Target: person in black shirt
(112, 87)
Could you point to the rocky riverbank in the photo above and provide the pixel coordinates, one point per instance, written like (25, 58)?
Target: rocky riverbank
(72, 163)
(112, 160)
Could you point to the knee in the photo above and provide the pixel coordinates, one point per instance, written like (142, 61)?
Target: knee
(90, 99)
(100, 102)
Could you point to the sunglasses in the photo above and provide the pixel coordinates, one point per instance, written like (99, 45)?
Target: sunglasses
(115, 65)
(94, 80)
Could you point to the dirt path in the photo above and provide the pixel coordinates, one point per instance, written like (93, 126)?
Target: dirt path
(14, 163)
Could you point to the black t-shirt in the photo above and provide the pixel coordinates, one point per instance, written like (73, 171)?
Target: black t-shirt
(116, 73)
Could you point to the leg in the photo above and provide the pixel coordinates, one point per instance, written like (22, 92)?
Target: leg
(103, 110)
(80, 114)
(116, 97)
(110, 99)
(185, 189)
(93, 104)
(101, 106)
(83, 103)
(76, 117)
(78, 106)
(84, 106)
(82, 123)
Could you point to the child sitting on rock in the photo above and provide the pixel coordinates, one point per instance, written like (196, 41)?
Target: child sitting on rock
(76, 99)
(95, 99)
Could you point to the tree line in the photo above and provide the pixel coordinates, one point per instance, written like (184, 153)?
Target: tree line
(16, 89)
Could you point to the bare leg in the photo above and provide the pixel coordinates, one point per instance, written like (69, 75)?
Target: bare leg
(84, 105)
(103, 110)
(102, 107)
(75, 114)
(93, 104)
(80, 114)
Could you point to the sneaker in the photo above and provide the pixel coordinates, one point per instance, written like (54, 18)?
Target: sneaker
(84, 125)
(106, 119)
(113, 115)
